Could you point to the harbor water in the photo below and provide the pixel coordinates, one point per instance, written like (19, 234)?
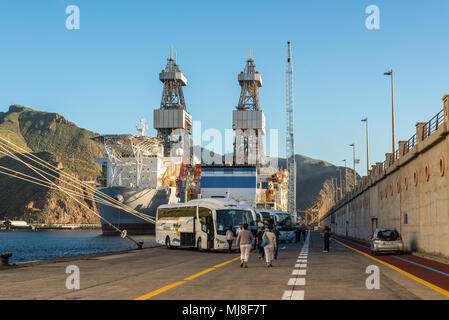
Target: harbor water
(32, 245)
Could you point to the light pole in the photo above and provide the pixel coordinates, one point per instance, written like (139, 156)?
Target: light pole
(346, 176)
(390, 73)
(341, 186)
(353, 150)
(367, 146)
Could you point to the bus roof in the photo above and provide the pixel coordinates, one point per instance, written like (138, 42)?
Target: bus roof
(214, 203)
(271, 211)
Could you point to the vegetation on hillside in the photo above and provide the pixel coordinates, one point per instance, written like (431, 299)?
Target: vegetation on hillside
(54, 139)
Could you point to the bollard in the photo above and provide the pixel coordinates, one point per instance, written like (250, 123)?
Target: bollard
(5, 257)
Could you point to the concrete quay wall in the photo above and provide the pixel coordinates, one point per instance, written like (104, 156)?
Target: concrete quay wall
(409, 192)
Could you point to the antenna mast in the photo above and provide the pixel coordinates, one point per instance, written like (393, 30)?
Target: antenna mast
(290, 137)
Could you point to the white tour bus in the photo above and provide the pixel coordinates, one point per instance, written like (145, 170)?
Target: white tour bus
(283, 221)
(200, 223)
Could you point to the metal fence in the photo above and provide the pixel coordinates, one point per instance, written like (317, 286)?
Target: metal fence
(430, 127)
(433, 124)
(410, 144)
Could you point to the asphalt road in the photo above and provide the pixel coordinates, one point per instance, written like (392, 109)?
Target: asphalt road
(302, 271)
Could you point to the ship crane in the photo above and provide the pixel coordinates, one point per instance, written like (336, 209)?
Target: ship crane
(290, 136)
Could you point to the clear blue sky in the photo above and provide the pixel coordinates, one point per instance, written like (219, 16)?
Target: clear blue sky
(104, 77)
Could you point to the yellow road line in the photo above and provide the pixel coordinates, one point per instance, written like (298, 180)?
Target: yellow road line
(222, 264)
(196, 275)
(153, 293)
(427, 284)
(199, 274)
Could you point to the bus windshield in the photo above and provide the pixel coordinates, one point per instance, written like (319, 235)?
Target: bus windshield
(284, 222)
(232, 217)
(266, 218)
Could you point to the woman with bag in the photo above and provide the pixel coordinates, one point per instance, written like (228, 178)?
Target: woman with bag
(269, 245)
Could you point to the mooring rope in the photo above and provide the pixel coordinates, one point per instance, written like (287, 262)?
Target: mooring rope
(97, 193)
(5, 145)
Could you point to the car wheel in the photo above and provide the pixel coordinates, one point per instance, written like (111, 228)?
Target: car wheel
(167, 242)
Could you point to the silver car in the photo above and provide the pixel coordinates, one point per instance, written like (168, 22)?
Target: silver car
(386, 240)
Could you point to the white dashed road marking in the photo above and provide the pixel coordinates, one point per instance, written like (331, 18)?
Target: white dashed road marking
(297, 282)
(293, 295)
(300, 270)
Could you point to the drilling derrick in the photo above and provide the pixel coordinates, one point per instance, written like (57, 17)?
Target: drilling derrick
(248, 121)
(290, 137)
(172, 121)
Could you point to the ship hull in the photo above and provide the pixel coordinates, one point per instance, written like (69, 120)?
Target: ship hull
(145, 201)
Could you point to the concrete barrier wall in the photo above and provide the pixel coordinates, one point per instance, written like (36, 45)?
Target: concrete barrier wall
(410, 193)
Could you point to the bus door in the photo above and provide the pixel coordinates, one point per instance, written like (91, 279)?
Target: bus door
(207, 225)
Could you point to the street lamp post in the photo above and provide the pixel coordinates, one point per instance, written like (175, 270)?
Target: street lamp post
(355, 175)
(367, 146)
(346, 176)
(391, 73)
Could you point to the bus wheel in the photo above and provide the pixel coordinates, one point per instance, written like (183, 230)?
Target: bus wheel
(198, 245)
(167, 243)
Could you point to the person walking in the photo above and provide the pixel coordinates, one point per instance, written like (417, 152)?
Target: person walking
(270, 247)
(303, 231)
(239, 230)
(259, 239)
(326, 236)
(244, 240)
(277, 234)
(297, 234)
(230, 238)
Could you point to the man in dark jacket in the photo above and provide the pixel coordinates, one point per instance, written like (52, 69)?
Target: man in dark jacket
(303, 231)
(277, 234)
(326, 236)
(259, 239)
(298, 234)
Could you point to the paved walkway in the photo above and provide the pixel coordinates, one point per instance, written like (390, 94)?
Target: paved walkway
(302, 271)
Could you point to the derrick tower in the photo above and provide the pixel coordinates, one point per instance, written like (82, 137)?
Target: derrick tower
(172, 121)
(248, 121)
(290, 136)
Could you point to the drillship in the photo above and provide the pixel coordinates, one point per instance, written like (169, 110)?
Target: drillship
(141, 171)
(247, 175)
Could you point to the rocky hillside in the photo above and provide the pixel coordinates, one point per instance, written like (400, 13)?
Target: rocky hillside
(311, 174)
(59, 141)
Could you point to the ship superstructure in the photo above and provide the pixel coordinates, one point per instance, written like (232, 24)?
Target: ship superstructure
(136, 173)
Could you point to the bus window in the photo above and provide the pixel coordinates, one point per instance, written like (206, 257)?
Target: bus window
(174, 213)
(284, 223)
(203, 214)
(232, 217)
(267, 219)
